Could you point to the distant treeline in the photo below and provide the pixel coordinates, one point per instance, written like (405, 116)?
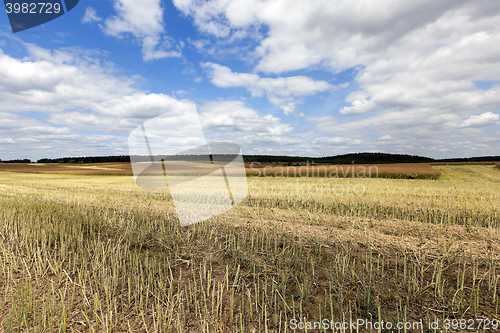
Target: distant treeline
(472, 159)
(90, 159)
(126, 158)
(16, 161)
(358, 158)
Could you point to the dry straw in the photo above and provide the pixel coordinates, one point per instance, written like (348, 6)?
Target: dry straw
(98, 254)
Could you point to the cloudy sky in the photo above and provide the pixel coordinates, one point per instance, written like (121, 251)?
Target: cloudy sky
(313, 78)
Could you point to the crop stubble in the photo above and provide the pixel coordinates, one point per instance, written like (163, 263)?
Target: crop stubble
(96, 253)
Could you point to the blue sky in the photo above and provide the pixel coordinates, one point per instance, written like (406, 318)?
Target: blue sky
(314, 78)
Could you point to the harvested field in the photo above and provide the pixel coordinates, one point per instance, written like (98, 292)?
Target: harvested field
(96, 253)
(398, 171)
(75, 169)
(464, 163)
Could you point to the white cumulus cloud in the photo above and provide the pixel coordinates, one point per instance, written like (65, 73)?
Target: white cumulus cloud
(144, 20)
(236, 119)
(281, 91)
(90, 16)
(487, 118)
(415, 63)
